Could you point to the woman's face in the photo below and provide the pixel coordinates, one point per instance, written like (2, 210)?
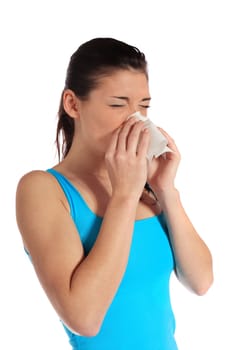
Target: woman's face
(110, 104)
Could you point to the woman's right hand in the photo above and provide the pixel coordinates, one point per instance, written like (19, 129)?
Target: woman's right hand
(126, 159)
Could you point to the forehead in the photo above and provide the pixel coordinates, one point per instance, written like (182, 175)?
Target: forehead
(124, 82)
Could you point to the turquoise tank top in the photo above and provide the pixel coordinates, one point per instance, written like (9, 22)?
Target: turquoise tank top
(140, 315)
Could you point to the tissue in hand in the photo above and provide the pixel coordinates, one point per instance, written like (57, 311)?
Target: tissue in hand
(158, 142)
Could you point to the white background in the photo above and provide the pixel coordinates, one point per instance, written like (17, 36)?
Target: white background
(189, 47)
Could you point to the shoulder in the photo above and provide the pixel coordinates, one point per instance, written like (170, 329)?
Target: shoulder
(37, 180)
(34, 176)
(38, 198)
(38, 186)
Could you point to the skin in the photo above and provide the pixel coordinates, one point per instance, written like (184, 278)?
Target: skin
(107, 151)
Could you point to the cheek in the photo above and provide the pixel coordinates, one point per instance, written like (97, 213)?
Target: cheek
(98, 122)
(105, 124)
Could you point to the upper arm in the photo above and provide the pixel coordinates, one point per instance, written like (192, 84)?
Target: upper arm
(50, 236)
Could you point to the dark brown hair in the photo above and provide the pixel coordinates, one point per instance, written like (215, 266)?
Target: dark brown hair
(91, 61)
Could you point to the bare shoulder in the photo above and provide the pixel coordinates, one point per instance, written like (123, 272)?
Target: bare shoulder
(37, 184)
(41, 213)
(38, 196)
(35, 179)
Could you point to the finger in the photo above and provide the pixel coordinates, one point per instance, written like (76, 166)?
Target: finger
(171, 142)
(144, 143)
(165, 133)
(124, 133)
(134, 137)
(113, 143)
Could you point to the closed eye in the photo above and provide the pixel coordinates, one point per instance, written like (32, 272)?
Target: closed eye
(117, 105)
(144, 106)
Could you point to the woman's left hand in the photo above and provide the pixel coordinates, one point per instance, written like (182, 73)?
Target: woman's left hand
(162, 170)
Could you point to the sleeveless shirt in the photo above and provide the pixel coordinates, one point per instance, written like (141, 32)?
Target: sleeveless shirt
(140, 315)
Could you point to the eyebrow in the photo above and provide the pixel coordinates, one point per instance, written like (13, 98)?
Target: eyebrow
(126, 98)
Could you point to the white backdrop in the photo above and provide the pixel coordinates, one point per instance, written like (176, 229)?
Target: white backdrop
(189, 46)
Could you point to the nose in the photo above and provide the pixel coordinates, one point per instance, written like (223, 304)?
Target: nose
(132, 110)
(135, 113)
(131, 113)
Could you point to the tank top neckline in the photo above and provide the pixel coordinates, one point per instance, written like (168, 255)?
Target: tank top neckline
(52, 170)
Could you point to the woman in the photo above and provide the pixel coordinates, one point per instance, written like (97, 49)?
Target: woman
(105, 227)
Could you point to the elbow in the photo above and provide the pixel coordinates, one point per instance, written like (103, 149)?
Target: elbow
(206, 281)
(83, 330)
(203, 287)
(83, 326)
(82, 318)
(200, 285)
(90, 330)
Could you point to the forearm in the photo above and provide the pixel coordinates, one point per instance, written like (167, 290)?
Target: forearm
(192, 256)
(97, 278)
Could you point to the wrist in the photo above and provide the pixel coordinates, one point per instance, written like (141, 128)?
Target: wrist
(168, 196)
(123, 199)
(123, 205)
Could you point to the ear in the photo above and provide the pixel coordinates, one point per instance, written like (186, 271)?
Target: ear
(70, 103)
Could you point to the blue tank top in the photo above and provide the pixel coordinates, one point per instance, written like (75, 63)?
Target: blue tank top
(140, 315)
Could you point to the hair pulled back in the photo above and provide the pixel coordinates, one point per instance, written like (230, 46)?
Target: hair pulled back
(91, 61)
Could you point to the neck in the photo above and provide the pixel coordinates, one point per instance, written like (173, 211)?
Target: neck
(83, 159)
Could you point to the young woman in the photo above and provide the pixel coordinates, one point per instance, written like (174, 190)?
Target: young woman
(105, 227)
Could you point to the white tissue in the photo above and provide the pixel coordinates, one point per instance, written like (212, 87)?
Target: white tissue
(158, 142)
